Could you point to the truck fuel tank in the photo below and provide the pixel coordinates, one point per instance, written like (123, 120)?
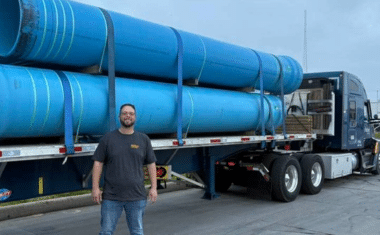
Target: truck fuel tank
(339, 164)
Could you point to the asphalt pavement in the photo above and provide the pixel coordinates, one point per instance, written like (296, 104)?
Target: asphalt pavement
(65, 203)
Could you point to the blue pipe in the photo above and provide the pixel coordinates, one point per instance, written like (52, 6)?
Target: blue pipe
(32, 104)
(69, 33)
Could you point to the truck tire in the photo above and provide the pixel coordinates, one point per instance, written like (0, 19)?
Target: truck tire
(376, 170)
(313, 174)
(286, 179)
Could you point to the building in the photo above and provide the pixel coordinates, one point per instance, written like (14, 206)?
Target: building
(375, 107)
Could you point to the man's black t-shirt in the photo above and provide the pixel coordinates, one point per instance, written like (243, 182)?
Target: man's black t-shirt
(123, 157)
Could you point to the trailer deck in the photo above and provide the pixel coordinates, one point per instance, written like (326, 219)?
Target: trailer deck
(52, 151)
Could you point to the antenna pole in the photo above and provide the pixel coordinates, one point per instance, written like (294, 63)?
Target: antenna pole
(305, 43)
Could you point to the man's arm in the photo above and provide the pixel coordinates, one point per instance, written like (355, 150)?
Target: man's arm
(96, 173)
(153, 182)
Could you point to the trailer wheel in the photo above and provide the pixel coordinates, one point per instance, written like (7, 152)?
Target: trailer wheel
(313, 174)
(376, 170)
(286, 179)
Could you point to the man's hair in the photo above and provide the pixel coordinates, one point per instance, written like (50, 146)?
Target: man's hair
(124, 105)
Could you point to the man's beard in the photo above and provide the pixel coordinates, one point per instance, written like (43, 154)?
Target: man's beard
(127, 125)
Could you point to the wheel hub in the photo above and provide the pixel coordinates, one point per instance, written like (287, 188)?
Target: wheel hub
(316, 174)
(291, 178)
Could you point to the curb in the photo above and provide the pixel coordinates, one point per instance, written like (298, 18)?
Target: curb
(39, 207)
(65, 203)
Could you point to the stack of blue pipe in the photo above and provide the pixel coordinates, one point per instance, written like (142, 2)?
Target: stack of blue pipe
(66, 33)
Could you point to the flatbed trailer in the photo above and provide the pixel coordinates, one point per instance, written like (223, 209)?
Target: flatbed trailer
(37, 170)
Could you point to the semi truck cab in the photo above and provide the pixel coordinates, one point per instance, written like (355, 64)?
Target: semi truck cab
(331, 105)
(343, 94)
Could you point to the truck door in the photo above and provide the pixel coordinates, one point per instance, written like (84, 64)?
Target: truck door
(368, 128)
(362, 122)
(352, 122)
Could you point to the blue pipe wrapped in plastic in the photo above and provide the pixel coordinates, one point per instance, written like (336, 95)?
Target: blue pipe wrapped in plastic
(69, 33)
(32, 104)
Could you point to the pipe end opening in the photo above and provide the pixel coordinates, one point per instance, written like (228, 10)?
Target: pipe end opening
(10, 23)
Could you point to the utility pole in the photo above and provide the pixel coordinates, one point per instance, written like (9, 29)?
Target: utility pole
(305, 44)
(377, 102)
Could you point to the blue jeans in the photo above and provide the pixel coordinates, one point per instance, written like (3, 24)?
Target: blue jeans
(111, 211)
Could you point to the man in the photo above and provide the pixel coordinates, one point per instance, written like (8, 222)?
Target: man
(123, 153)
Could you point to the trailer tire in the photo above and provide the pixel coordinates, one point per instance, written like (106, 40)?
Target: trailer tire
(376, 170)
(286, 179)
(313, 174)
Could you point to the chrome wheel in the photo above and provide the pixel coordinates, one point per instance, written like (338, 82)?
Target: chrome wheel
(291, 178)
(316, 174)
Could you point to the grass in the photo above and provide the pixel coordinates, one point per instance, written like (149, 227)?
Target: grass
(377, 135)
(60, 195)
(75, 193)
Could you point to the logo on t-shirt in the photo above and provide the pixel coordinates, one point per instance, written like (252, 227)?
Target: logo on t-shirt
(134, 146)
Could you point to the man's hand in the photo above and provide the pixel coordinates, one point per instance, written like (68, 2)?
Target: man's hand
(153, 182)
(153, 195)
(96, 173)
(97, 195)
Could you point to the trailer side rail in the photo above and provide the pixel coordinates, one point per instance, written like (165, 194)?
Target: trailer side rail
(38, 152)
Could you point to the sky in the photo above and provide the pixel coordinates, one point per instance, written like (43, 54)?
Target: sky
(342, 35)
